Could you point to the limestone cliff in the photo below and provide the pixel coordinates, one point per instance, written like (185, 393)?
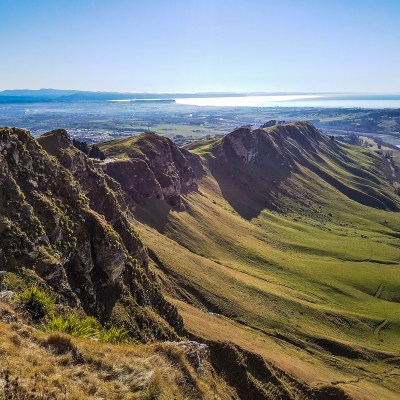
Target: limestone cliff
(63, 218)
(262, 163)
(152, 166)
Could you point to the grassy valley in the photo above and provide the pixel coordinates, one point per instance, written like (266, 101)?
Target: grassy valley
(312, 287)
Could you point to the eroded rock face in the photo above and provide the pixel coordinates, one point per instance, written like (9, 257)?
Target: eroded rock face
(262, 162)
(281, 144)
(154, 167)
(136, 178)
(241, 143)
(104, 194)
(65, 219)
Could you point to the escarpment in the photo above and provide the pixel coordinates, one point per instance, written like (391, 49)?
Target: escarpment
(279, 150)
(265, 162)
(104, 194)
(151, 166)
(64, 219)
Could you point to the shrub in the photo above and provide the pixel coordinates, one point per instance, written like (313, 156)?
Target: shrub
(74, 325)
(36, 302)
(87, 327)
(114, 335)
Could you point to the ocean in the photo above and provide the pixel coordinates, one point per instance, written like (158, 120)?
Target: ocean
(330, 101)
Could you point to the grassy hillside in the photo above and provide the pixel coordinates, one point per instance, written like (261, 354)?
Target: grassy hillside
(39, 365)
(308, 278)
(281, 256)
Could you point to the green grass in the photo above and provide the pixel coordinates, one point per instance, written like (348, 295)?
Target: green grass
(87, 328)
(36, 302)
(324, 266)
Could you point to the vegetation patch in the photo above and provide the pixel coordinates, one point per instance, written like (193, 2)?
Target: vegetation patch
(36, 302)
(151, 392)
(88, 328)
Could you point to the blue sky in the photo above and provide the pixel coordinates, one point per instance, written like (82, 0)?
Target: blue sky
(203, 45)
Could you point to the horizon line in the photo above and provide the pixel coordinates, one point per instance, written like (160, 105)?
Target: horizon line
(205, 92)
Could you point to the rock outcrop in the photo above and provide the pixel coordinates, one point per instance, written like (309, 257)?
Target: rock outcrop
(278, 147)
(260, 163)
(104, 194)
(66, 220)
(152, 166)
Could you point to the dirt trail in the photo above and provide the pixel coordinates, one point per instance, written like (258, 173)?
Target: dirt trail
(380, 327)
(379, 291)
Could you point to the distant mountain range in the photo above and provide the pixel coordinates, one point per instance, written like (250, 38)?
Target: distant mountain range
(52, 95)
(49, 95)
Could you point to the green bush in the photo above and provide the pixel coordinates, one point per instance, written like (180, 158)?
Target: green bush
(114, 335)
(87, 327)
(74, 325)
(36, 302)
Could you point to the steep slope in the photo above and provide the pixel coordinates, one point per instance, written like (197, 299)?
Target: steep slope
(150, 166)
(290, 250)
(277, 246)
(76, 237)
(37, 365)
(262, 162)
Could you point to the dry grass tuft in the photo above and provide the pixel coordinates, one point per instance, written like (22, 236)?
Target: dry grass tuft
(54, 365)
(60, 343)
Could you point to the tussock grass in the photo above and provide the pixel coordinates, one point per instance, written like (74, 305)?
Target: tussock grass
(36, 302)
(60, 342)
(87, 328)
(69, 367)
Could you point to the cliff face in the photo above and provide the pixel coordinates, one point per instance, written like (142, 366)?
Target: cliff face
(66, 220)
(152, 167)
(277, 148)
(262, 162)
(104, 194)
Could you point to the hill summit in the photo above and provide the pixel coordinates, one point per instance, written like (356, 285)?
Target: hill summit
(265, 166)
(152, 166)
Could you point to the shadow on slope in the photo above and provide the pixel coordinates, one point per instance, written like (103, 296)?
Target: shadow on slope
(256, 169)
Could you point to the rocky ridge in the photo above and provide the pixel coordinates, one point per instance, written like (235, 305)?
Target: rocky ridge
(64, 219)
(264, 161)
(149, 166)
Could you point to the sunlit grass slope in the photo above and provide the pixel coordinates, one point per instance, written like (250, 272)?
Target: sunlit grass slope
(54, 366)
(312, 286)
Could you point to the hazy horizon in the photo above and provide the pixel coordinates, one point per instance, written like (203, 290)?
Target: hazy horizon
(235, 46)
(253, 93)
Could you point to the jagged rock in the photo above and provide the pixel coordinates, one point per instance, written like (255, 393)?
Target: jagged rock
(157, 168)
(136, 178)
(66, 220)
(241, 143)
(104, 194)
(6, 295)
(197, 353)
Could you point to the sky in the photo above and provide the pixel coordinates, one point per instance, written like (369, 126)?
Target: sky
(201, 45)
